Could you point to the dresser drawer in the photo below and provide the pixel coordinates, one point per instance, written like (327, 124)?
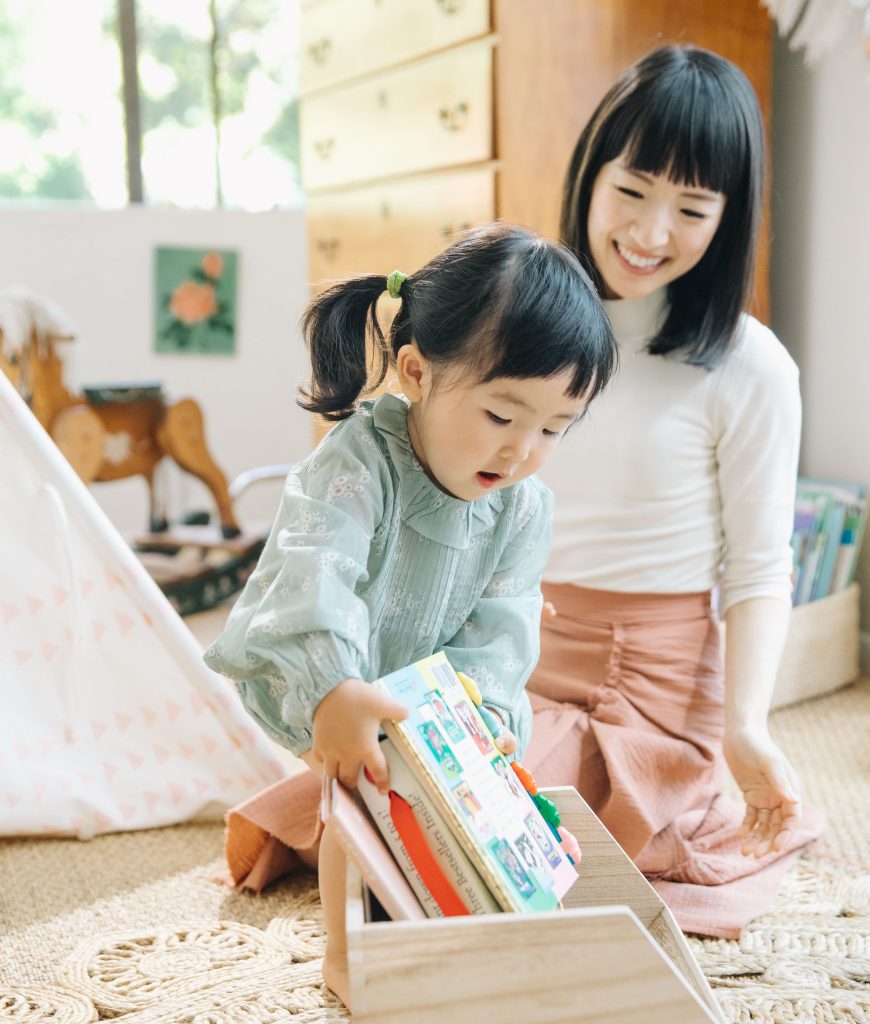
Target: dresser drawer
(344, 39)
(400, 224)
(432, 114)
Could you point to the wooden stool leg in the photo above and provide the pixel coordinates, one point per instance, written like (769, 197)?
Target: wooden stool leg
(182, 435)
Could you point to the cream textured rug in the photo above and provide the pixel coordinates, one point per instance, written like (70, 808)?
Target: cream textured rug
(137, 927)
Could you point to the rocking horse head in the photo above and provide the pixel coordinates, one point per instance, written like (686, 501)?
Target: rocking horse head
(30, 326)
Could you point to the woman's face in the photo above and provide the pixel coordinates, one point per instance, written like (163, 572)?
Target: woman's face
(645, 230)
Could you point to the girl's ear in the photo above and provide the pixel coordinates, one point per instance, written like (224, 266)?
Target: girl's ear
(414, 372)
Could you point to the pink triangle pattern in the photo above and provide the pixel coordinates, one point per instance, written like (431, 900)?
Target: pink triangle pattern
(22, 657)
(151, 798)
(149, 716)
(176, 792)
(201, 786)
(125, 623)
(49, 650)
(98, 728)
(60, 595)
(173, 710)
(128, 812)
(109, 770)
(161, 753)
(123, 720)
(87, 586)
(136, 761)
(186, 751)
(208, 744)
(8, 611)
(33, 603)
(99, 628)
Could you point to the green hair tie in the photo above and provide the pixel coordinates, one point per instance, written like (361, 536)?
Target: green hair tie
(395, 282)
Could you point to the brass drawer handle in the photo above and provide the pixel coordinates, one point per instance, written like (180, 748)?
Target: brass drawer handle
(319, 50)
(323, 147)
(327, 248)
(448, 230)
(449, 6)
(453, 118)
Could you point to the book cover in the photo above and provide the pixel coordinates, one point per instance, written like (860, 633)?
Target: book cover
(459, 872)
(366, 849)
(842, 523)
(451, 752)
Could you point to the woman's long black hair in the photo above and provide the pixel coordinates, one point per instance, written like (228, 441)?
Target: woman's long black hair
(501, 302)
(692, 116)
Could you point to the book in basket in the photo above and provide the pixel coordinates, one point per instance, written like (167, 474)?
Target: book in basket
(455, 800)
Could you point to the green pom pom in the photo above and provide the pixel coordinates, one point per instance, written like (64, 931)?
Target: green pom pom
(395, 282)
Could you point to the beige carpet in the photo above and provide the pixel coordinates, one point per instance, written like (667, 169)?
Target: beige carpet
(135, 926)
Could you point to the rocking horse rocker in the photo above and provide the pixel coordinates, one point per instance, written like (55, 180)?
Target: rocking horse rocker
(112, 432)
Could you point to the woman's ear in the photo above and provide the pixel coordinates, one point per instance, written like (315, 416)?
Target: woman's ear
(414, 372)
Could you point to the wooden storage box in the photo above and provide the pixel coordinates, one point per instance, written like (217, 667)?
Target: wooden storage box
(822, 649)
(614, 955)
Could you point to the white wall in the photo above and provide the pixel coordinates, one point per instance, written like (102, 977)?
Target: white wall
(97, 266)
(820, 286)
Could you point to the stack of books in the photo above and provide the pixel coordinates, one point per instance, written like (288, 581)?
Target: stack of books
(461, 831)
(828, 524)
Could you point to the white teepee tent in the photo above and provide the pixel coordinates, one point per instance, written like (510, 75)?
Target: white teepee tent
(108, 717)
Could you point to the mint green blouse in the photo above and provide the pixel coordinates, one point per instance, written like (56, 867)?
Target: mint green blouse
(369, 567)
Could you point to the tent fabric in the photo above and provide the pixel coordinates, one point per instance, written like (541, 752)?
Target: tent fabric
(109, 719)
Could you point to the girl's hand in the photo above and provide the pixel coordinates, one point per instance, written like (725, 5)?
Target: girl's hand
(504, 739)
(770, 789)
(346, 725)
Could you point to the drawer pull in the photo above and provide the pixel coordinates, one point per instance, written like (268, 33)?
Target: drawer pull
(448, 230)
(319, 50)
(450, 6)
(323, 147)
(327, 247)
(453, 118)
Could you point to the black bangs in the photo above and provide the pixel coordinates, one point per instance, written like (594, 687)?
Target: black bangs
(684, 128)
(543, 325)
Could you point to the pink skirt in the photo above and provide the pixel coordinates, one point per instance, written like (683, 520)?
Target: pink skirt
(628, 703)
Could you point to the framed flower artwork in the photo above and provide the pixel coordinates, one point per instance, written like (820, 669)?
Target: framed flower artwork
(195, 301)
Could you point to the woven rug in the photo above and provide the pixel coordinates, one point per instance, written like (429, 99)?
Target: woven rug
(137, 927)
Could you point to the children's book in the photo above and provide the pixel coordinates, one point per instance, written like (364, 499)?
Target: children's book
(460, 781)
(365, 847)
(448, 884)
(829, 522)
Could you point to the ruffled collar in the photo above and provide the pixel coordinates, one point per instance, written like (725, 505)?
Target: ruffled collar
(423, 505)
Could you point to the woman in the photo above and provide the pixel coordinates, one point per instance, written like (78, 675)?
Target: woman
(681, 480)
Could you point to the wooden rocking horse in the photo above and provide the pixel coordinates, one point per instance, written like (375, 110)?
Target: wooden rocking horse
(110, 432)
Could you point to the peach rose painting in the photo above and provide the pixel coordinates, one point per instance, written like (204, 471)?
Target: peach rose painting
(196, 301)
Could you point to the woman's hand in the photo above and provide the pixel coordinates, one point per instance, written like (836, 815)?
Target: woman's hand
(770, 789)
(346, 726)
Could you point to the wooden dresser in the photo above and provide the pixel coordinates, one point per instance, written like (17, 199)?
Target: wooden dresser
(421, 118)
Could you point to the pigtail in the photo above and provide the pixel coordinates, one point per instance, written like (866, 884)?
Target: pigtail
(336, 326)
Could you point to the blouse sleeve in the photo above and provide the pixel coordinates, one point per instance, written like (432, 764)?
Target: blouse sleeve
(759, 412)
(499, 644)
(299, 629)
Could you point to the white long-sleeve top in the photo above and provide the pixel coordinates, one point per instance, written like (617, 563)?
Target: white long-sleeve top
(681, 477)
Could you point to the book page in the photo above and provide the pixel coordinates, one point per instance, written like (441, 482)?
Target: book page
(498, 817)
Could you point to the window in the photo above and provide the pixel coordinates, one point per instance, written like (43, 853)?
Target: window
(214, 90)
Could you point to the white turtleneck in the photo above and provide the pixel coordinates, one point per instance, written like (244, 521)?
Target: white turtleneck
(680, 477)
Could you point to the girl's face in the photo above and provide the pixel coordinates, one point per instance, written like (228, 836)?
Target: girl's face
(475, 438)
(646, 230)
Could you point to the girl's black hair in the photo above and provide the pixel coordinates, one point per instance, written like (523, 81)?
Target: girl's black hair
(691, 115)
(502, 302)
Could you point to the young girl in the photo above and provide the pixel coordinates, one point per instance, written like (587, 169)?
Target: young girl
(416, 525)
(685, 478)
